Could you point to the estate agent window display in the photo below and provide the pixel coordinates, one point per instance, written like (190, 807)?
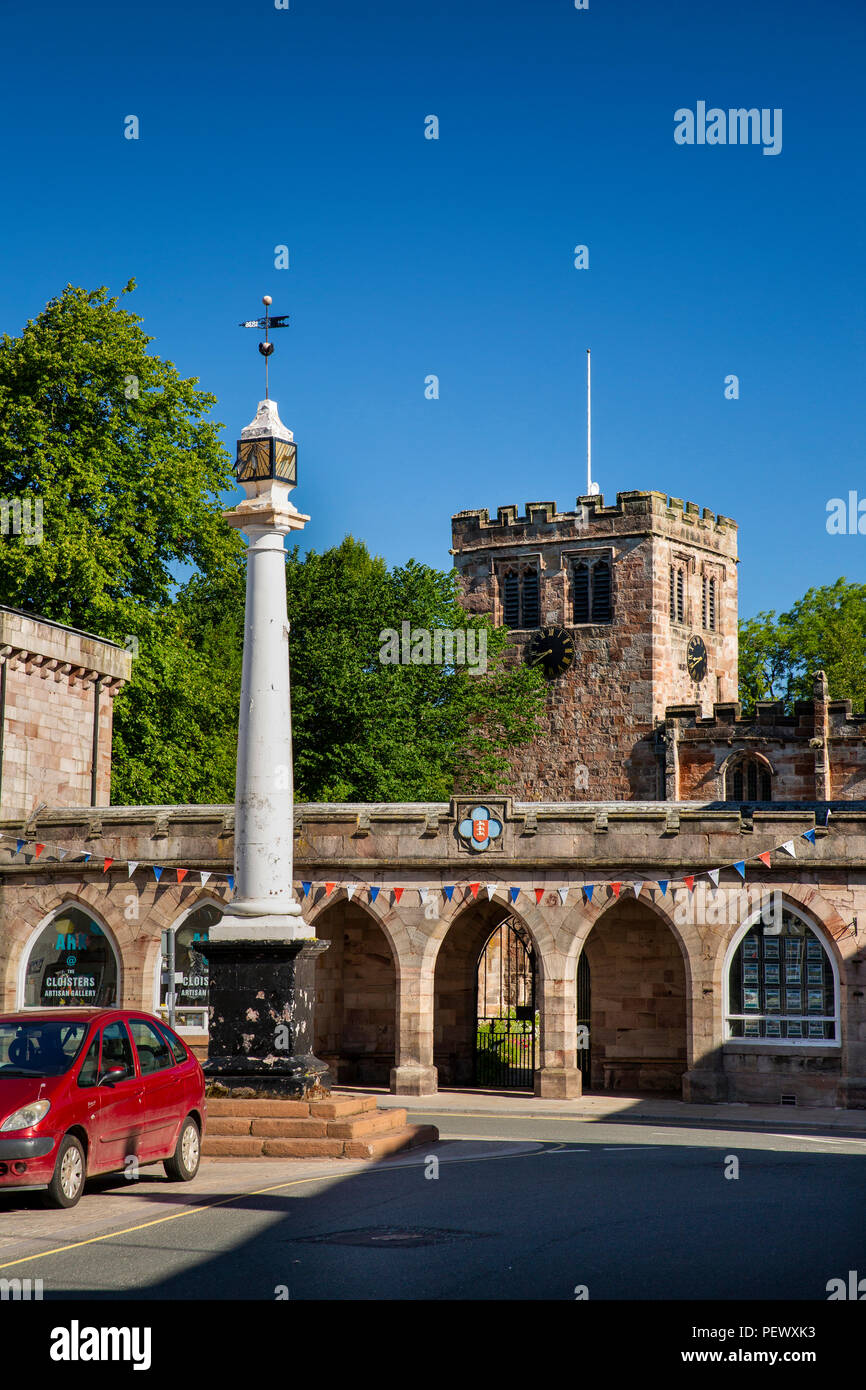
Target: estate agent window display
(782, 986)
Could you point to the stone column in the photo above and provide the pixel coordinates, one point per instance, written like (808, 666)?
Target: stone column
(558, 1076)
(261, 953)
(414, 1074)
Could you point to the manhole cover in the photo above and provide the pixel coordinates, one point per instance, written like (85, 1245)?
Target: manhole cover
(391, 1237)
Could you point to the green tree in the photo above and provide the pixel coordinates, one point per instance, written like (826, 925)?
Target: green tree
(113, 443)
(824, 630)
(364, 730)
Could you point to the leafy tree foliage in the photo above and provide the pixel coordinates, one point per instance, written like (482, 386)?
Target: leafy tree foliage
(114, 444)
(824, 630)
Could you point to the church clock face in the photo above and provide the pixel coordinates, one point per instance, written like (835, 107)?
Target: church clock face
(552, 649)
(696, 659)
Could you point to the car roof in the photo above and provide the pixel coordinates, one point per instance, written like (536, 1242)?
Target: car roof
(72, 1015)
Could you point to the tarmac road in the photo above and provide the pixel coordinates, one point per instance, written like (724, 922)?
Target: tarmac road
(522, 1208)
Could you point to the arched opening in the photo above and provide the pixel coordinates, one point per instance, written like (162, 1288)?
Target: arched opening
(637, 1011)
(486, 1024)
(356, 997)
(190, 933)
(748, 777)
(71, 963)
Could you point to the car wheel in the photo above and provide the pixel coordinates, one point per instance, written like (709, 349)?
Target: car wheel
(67, 1184)
(183, 1165)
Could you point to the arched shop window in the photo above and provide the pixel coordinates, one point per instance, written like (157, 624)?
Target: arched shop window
(782, 985)
(72, 963)
(190, 968)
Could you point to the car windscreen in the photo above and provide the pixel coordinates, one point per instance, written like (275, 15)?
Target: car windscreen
(41, 1047)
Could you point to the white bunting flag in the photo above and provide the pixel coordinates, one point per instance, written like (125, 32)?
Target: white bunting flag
(788, 847)
(131, 867)
(714, 875)
(563, 895)
(423, 893)
(350, 890)
(204, 877)
(637, 888)
(62, 853)
(491, 889)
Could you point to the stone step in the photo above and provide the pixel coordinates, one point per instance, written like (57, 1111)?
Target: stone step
(231, 1146)
(303, 1148)
(258, 1109)
(340, 1106)
(363, 1126)
(291, 1129)
(228, 1124)
(381, 1145)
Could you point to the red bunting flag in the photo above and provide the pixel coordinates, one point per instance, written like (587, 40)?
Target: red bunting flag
(539, 894)
(614, 888)
(39, 849)
(473, 889)
(765, 858)
(107, 865)
(689, 881)
(329, 888)
(398, 893)
(181, 875)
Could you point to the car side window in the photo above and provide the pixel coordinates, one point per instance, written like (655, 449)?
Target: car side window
(89, 1073)
(151, 1046)
(116, 1048)
(178, 1051)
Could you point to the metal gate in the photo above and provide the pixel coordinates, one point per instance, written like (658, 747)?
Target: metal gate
(584, 1009)
(506, 1022)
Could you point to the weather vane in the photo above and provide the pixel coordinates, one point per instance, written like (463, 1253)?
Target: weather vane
(267, 323)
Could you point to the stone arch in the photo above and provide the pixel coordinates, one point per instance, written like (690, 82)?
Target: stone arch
(460, 942)
(641, 994)
(356, 992)
(741, 756)
(66, 903)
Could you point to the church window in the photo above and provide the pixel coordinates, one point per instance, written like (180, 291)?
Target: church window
(677, 594)
(521, 599)
(781, 982)
(708, 603)
(592, 597)
(748, 779)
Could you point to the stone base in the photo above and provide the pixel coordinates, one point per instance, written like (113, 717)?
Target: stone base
(852, 1093)
(414, 1081)
(262, 996)
(705, 1087)
(558, 1083)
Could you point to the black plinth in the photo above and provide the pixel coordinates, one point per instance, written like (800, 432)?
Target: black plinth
(261, 1010)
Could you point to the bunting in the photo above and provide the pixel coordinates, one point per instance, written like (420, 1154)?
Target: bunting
(471, 890)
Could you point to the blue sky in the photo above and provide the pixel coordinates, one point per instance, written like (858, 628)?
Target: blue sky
(305, 127)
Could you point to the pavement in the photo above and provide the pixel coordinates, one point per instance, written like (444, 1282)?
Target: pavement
(621, 1109)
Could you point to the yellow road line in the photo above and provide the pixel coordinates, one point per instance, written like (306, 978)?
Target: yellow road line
(258, 1192)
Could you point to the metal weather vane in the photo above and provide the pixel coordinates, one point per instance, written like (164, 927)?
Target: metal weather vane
(267, 323)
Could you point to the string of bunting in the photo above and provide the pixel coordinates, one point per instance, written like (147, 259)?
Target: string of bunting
(587, 889)
(34, 848)
(473, 889)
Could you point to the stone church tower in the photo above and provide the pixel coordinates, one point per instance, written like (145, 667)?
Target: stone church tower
(629, 609)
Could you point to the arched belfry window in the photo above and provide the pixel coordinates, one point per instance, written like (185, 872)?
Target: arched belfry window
(781, 981)
(748, 778)
(708, 603)
(678, 594)
(521, 597)
(71, 964)
(592, 591)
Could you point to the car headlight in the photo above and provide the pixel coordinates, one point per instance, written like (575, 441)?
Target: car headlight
(28, 1115)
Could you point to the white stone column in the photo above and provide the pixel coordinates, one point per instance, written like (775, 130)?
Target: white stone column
(263, 908)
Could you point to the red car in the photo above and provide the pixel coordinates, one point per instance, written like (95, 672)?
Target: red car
(86, 1091)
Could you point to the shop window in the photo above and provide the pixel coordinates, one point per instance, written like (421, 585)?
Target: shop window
(191, 968)
(71, 964)
(782, 986)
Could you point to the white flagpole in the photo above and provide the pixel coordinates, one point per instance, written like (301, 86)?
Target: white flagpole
(588, 428)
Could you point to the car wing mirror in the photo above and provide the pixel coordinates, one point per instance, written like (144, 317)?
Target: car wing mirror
(113, 1074)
